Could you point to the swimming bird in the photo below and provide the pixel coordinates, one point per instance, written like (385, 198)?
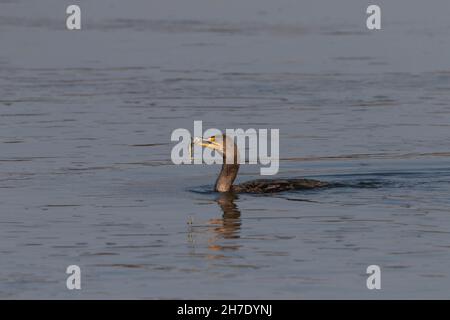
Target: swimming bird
(230, 167)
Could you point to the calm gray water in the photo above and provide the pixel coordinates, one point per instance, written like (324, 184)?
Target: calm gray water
(85, 170)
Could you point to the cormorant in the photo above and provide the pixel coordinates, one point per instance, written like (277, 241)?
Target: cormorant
(230, 168)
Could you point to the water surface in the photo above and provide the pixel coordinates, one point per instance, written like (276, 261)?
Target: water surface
(85, 170)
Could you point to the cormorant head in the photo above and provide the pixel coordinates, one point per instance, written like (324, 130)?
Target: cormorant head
(222, 144)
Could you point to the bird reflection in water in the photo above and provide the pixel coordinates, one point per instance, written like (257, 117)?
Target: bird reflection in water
(221, 231)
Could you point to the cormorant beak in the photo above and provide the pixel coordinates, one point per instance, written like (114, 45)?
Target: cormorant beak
(207, 143)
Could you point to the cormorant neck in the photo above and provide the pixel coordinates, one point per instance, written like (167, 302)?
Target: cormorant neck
(229, 170)
(226, 177)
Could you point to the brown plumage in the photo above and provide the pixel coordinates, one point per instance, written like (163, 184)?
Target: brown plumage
(277, 185)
